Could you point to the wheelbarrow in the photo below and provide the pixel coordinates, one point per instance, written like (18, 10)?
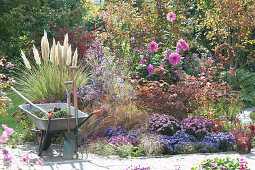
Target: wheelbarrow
(45, 128)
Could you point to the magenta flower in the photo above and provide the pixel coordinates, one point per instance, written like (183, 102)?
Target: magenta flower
(144, 28)
(26, 159)
(132, 39)
(4, 126)
(147, 56)
(174, 58)
(182, 45)
(39, 162)
(8, 130)
(167, 53)
(150, 69)
(162, 65)
(7, 160)
(5, 152)
(4, 137)
(143, 61)
(214, 165)
(153, 46)
(171, 16)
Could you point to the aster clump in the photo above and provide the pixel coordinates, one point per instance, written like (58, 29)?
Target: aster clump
(171, 16)
(119, 130)
(153, 46)
(163, 124)
(180, 142)
(225, 140)
(197, 126)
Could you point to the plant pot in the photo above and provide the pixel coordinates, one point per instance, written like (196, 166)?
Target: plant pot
(243, 144)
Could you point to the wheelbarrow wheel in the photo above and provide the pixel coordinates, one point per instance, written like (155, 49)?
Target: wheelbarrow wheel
(47, 142)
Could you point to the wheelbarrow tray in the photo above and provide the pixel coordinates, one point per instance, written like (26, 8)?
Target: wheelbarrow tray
(57, 124)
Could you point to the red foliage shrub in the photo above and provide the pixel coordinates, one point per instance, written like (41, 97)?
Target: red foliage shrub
(78, 38)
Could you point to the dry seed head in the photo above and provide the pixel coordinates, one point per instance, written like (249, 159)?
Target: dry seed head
(36, 55)
(69, 56)
(53, 52)
(59, 54)
(45, 47)
(65, 50)
(25, 60)
(75, 57)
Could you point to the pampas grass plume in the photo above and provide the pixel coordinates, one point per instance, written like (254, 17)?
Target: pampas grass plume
(25, 60)
(53, 52)
(45, 47)
(36, 55)
(75, 57)
(69, 56)
(59, 54)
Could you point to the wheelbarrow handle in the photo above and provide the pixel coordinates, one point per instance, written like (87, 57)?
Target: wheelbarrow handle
(97, 112)
(46, 113)
(91, 114)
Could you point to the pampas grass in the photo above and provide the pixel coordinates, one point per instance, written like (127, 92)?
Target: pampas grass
(47, 81)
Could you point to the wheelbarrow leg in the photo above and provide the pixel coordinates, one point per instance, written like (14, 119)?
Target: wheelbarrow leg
(45, 135)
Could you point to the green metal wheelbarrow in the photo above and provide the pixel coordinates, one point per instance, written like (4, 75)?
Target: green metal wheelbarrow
(45, 128)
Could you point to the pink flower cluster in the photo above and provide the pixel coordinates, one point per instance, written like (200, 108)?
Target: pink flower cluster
(243, 163)
(4, 136)
(182, 46)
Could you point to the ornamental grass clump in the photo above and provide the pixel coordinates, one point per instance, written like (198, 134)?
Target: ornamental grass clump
(197, 126)
(45, 78)
(163, 124)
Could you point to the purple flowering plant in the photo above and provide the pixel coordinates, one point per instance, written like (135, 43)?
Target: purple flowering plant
(180, 142)
(197, 126)
(163, 124)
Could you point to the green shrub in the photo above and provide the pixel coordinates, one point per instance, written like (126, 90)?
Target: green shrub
(252, 115)
(245, 83)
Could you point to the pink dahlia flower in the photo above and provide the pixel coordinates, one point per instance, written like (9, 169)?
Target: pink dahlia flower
(182, 45)
(174, 58)
(150, 69)
(171, 16)
(153, 46)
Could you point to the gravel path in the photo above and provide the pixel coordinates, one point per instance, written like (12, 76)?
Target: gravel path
(52, 159)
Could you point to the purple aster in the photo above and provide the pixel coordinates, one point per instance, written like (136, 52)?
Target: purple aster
(182, 45)
(171, 16)
(153, 46)
(150, 69)
(174, 58)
